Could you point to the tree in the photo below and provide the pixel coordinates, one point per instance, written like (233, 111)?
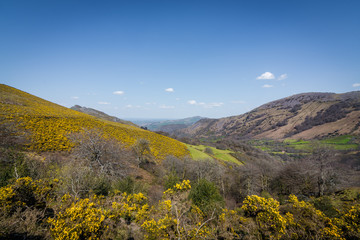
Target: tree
(206, 196)
(294, 178)
(208, 151)
(142, 151)
(103, 154)
(321, 166)
(256, 175)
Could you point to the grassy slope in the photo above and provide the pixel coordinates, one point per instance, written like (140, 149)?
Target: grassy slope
(345, 142)
(50, 124)
(339, 143)
(197, 153)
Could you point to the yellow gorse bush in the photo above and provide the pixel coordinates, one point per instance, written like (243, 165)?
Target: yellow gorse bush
(26, 193)
(352, 219)
(132, 207)
(179, 187)
(266, 213)
(49, 125)
(82, 220)
(6, 198)
(93, 218)
(303, 210)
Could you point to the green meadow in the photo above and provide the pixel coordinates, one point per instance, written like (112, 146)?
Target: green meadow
(342, 143)
(198, 153)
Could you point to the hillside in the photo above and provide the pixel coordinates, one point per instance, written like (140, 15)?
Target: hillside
(48, 125)
(301, 116)
(102, 115)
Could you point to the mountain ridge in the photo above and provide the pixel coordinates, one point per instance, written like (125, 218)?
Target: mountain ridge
(306, 115)
(100, 114)
(171, 125)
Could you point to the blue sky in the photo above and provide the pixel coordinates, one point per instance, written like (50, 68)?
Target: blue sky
(175, 59)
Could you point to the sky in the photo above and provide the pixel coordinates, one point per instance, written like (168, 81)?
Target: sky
(175, 59)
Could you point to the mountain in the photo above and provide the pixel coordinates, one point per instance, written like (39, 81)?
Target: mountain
(48, 125)
(171, 125)
(301, 116)
(102, 115)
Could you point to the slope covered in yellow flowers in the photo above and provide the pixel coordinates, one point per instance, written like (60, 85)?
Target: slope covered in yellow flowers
(49, 125)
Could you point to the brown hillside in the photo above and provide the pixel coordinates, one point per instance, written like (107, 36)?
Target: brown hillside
(308, 116)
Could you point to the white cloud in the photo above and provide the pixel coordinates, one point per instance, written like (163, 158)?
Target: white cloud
(166, 107)
(266, 75)
(356, 85)
(169, 90)
(283, 76)
(104, 103)
(206, 105)
(75, 97)
(132, 106)
(118, 92)
(267, 86)
(215, 104)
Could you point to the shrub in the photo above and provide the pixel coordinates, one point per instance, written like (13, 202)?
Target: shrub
(81, 220)
(206, 196)
(351, 222)
(326, 205)
(267, 216)
(129, 185)
(171, 180)
(26, 193)
(24, 205)
(309, 223)
(208, 151)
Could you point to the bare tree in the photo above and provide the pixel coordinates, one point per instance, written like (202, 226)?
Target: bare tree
(103, 154)
(321, 166)
(76, 178)
(255, 176)
(142, 151)
(10, 134)
(294, 177)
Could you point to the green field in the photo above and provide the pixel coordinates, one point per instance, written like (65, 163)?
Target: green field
(198, 153)
(342, 143)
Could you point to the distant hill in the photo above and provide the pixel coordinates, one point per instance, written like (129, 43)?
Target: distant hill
(171, 125)
(99, 114)
(48, 125)
(301, 116)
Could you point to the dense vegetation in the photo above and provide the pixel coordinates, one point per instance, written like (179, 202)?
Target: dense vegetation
(33, 210)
